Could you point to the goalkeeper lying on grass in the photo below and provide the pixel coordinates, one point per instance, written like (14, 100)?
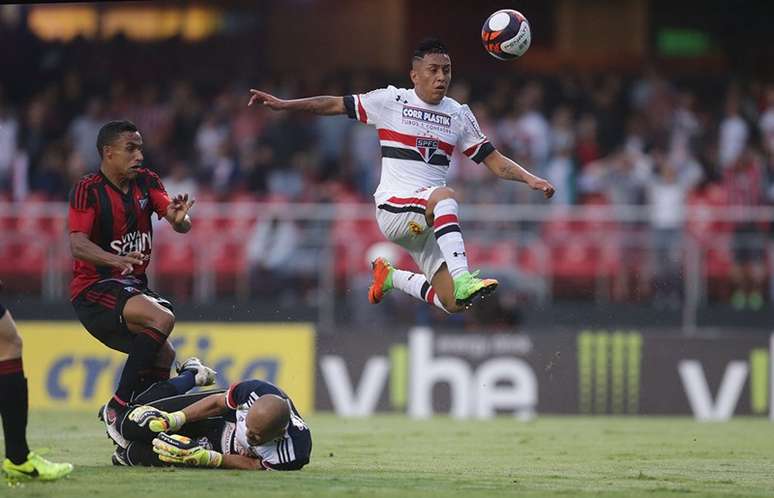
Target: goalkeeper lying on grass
(252, 425)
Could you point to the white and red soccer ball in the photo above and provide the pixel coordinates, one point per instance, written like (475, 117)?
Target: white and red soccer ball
(506, 34)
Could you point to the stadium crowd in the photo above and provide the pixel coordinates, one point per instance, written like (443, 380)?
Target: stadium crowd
(608, 139)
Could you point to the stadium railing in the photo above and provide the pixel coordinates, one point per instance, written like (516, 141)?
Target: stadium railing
(318, 251)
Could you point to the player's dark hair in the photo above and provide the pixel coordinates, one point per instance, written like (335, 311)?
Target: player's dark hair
(430, 46)
(110, 132)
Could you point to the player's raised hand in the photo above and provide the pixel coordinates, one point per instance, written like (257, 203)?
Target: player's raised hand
(267, 99)
(178, 208)
(543, 185)
(127, 263)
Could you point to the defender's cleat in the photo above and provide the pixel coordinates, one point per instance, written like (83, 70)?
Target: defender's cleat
(204, 375)
(468, 287)
(36, 467)
(382, 280)
(112, 420)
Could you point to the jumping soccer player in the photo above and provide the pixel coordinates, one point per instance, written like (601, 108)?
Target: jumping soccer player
(418, 130)
(252, 426)
(19, 462)
(110, 238)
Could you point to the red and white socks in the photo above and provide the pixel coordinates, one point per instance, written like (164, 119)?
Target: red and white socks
(449, 236)
(415, 284)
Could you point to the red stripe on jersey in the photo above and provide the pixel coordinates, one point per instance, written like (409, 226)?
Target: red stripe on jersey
(411, 140)
(361, 111)
(445, 220)
(471, 151)
(80, 199)
(407, 200)
(430, 296)
(230, 401)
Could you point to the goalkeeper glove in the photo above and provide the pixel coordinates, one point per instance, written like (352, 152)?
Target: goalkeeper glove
(174, 448)
(157, 420)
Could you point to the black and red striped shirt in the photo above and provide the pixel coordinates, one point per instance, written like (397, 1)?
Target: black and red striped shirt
(117, 222)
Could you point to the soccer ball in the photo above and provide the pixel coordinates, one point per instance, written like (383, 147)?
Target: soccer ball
(506, 34)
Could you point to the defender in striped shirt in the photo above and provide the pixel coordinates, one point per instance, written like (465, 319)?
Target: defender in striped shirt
(419, 128)
(111, 240)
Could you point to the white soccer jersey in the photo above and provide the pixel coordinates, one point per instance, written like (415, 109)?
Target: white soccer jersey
(417, 138)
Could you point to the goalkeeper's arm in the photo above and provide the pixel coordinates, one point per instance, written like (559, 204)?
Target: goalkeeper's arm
(160, 421)
(241, 462)
(211, 406)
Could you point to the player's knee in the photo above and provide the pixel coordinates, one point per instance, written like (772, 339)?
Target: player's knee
(164, 322)
(442, 193)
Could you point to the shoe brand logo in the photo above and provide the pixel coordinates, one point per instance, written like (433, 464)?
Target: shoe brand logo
(31, 473)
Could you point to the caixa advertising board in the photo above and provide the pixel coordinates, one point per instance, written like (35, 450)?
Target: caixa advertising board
(594, 372)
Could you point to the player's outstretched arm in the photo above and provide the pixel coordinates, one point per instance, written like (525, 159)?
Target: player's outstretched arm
(324, 105)
(211, 406)
(240, 462)
(508, 169)
(85, 250)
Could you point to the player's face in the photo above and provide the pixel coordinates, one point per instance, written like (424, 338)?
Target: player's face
(431, 76)
(125, 154)
(257, 437)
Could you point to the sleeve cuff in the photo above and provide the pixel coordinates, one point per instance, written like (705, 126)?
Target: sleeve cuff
(230, 402)
(349, 105)
(483, 151)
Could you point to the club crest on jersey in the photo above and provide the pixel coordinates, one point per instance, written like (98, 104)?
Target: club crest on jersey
(415, 228)
(436, 118)
(143, 202)
(427, 147)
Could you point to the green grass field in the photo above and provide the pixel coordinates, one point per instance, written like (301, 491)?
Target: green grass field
(388, 456)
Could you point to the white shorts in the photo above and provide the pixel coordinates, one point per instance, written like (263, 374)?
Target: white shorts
(401, 218)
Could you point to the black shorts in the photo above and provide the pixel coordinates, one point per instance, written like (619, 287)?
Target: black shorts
(100, 308)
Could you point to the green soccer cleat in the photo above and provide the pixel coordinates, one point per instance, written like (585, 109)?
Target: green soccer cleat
(468, 287)
(36, 467)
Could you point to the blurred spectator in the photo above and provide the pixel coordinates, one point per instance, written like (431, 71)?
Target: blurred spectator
(180, 180)
(767, 124)
(561, 167)
(9, 132)
(666, 198)
(51, 176)
(733, 132)
(210, 139)
(83, 132)
(743, 182)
